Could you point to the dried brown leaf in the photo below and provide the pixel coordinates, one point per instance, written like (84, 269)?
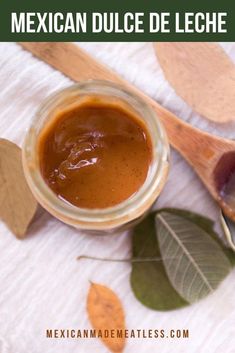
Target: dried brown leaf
(106, 313)
(202, 74)
(17, 204)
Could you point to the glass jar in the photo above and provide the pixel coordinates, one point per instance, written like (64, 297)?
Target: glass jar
(128, 212)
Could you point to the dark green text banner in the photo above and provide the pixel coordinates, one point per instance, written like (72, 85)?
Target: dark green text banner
(117, 20)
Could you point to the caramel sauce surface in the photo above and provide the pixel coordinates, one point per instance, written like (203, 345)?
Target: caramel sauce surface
(95, 154)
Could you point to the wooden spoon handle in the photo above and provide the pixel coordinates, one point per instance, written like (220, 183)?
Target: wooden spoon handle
(78, 65)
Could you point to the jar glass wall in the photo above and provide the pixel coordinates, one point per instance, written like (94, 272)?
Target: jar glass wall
(128, 212)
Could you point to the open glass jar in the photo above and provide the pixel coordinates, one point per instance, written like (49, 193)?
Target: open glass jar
(120, 216)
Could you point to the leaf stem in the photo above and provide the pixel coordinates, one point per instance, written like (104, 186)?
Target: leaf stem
(131, 259)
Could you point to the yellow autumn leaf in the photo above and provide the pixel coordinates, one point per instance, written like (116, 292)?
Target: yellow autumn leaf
(106, 313)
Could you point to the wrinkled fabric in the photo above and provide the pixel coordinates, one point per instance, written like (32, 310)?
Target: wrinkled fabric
(42, 285)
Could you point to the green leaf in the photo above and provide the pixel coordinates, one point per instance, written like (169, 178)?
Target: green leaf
(203, 222)
(207, 225)
(230, 255)
(195, 263)
(149, 280)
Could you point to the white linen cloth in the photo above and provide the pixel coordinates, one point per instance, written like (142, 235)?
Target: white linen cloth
(42, 285)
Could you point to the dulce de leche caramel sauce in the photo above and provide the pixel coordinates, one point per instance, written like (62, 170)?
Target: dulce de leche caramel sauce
(96, 153)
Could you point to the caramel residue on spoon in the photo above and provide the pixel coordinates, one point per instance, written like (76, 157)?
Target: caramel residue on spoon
(224, 176)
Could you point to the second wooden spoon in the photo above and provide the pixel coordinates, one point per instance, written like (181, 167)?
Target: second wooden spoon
(213, 158)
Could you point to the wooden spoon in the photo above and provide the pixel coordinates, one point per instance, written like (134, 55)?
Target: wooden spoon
(213, 158)
(203, 75)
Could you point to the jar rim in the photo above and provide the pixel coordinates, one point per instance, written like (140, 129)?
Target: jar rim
(128, 209)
